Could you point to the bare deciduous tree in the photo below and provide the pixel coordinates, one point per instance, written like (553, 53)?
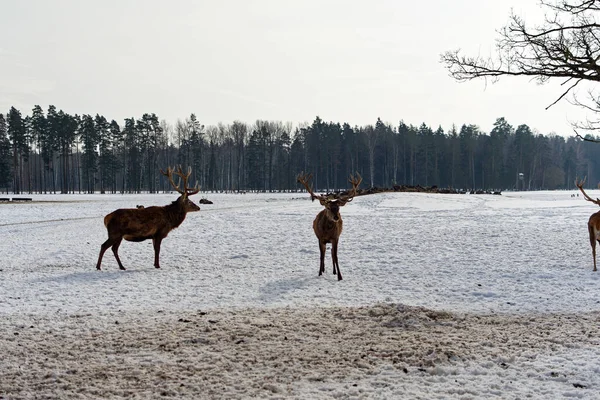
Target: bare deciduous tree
(565, 47)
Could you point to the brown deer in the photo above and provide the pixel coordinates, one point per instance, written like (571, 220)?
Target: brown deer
(139, 224)
(328, 223)
(593, 222)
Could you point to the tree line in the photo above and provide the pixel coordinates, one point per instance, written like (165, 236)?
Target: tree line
(56, 152)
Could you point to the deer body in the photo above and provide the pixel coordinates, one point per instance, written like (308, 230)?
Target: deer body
(139, 224)
(594, 231)
(593, 222)
(328, 230)
(328, 224)
(326, 227)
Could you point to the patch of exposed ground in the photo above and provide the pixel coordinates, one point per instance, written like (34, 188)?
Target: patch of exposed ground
(267, 353)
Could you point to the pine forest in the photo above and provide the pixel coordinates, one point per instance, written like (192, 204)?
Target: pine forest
(56, 152)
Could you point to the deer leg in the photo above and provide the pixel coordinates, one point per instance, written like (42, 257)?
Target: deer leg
(156, 244)
(115, 250)
(334, 257)
(594, 253)
(103, 249)
(593, 238)
(322, 250)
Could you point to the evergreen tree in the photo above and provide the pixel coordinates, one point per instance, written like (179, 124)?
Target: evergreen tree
(297, 159)
(371, 136)
(402, 146)
(115, 164)
(196, 149)
(105, 159)
(313, 138)
(132, 153)
(239, 132)
(5, 149)
(66, 126)
(49, 147)
(284, 176)
(523, 152)
(455, 175)
(439, 156)
(468, 145)
(150, 141)
(18, 138)
(500, 136)
(425, 154)
(39, 128)
(255, 162)
(90, 138)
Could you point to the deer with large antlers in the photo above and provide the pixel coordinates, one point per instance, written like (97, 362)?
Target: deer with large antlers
(328, 223)
(593, 222)
(139, 224)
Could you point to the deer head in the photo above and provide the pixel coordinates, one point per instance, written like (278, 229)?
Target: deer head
(186, 204)
(331, 203)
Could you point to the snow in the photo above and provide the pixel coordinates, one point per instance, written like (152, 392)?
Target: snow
(444, 296)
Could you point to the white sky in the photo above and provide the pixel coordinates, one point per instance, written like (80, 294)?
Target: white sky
(344, 60)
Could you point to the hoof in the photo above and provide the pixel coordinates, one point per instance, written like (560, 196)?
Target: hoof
(123, 268)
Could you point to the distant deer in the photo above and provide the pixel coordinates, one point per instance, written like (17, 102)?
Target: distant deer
(594, 221)
(328, 223)
(139, 224)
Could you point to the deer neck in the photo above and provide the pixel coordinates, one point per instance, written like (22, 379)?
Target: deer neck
(175, 213)
(331, 224)
(327, 222)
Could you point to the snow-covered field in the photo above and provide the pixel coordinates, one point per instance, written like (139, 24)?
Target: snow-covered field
(444, 296)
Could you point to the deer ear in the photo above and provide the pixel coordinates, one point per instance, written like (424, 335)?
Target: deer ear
(323, 201)
(341, 202)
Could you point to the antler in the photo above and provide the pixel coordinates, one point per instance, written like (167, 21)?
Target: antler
(304, 179)
(355, 181)
(186, 191)
(580, 186)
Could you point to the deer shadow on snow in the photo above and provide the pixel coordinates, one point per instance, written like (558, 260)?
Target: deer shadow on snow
(277, 289)
(90, 277)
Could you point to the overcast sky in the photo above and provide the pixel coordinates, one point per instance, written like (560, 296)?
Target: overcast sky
(346, 61)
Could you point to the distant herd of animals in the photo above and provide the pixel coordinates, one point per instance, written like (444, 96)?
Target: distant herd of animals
(155, 222)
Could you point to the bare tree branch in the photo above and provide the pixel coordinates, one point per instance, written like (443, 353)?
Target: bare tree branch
(564, 94)
(585, 138)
